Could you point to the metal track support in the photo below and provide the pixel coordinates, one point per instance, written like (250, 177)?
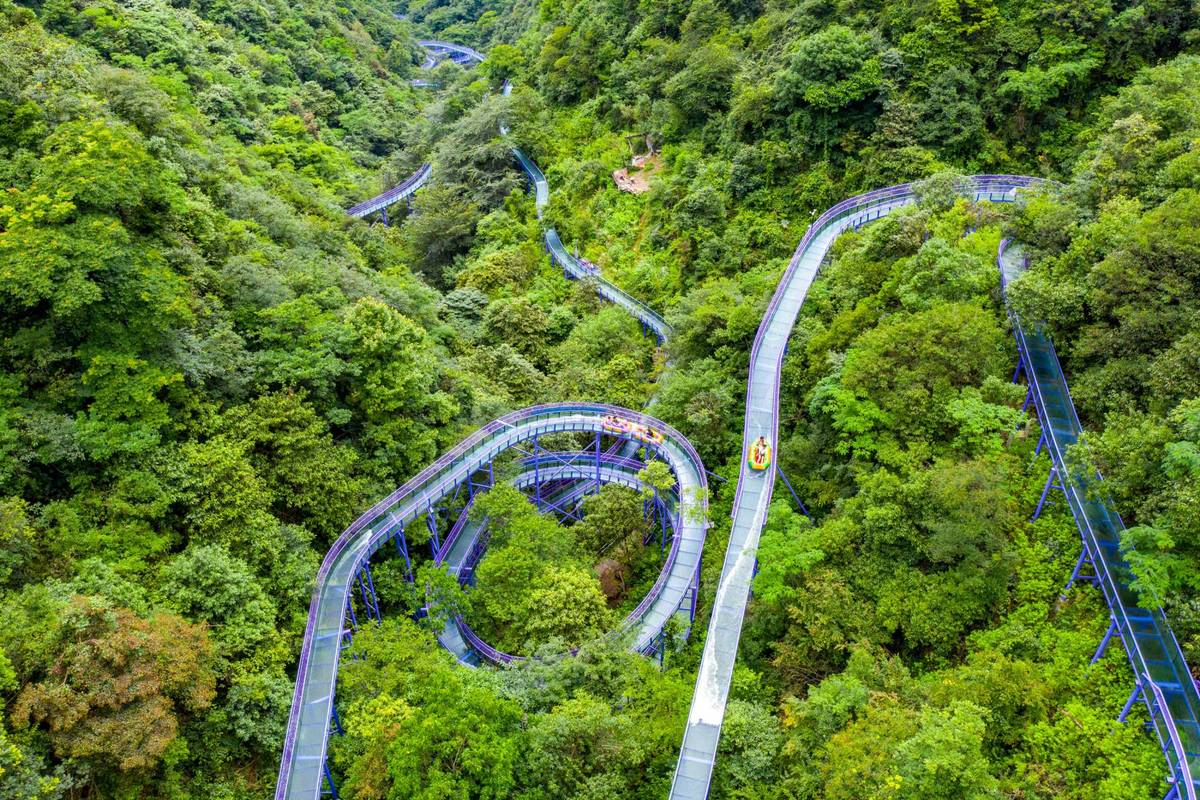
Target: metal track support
(366, 585)
(329, 788)
(1133, 698)
(402, 548)
(435, 544)
(791, 490)
(1112, 628)
(1085, 558)
(1052, 482)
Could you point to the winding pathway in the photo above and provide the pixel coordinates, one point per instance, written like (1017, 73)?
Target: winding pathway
(1162, 679)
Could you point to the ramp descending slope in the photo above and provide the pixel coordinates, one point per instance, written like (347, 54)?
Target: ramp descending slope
(402, 191)
(574, 268)
(1161, 675)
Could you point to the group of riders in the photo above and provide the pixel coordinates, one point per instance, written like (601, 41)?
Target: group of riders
(643, 433)
(758, 457)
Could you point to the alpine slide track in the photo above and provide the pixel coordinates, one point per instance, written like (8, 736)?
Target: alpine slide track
(609, 453)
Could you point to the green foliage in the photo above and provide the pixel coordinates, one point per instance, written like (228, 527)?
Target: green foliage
(208, 371)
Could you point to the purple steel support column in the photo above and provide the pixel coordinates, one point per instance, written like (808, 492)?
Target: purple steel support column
(334, 720)
(661, 509)
(474, 486)
(598, 458)
(788, 484)
(332, 790)
(646, 509)
(1112, 628)
(550, 505)
(537, 474)
(383, 215)
(1041, 443)
(1050, 484)
(1173, 793)
(1020, 366)
(1084, 558)
(348, 617)
(1028, 399)
(431, 523)
(1133, 697)
(695, 592)
(366, 585)
(402, 547)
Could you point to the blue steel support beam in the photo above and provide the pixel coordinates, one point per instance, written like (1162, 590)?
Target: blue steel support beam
(331, 791)
(402, 548)
(335, 721)
(1112, 629)
(537, 473)
(660, 510)
(788, 484)
(1133, 698)
(1085, 559)
(598, 461)
(366, 585)
(1052, 482)
(431, 523)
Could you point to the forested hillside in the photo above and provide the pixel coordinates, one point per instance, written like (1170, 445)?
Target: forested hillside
(209, 370)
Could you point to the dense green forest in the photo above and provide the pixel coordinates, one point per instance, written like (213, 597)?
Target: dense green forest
(209, 370)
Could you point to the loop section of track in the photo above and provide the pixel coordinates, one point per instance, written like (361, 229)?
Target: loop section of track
(302, 766)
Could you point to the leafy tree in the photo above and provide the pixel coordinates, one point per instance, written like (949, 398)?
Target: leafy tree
(118, 685)
(205, 583)
(566, 604)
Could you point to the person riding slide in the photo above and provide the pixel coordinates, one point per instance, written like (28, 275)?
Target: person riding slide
(760, 454)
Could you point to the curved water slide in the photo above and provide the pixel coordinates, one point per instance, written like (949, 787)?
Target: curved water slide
(1162, 670)
(572, 480)
(303, 770)
(402, 191)
(459, 53)
(437, 50)
(576, 268)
